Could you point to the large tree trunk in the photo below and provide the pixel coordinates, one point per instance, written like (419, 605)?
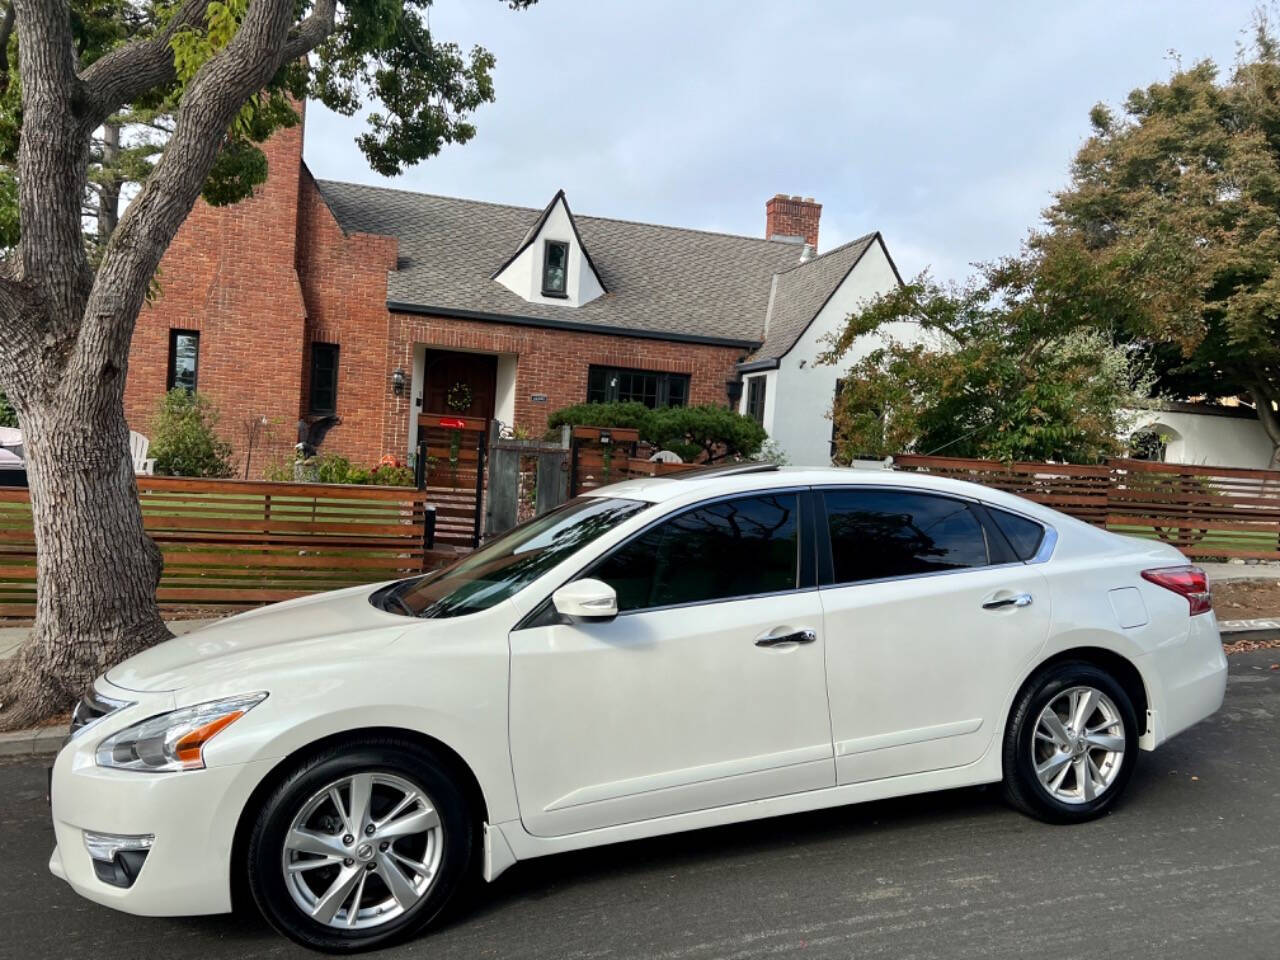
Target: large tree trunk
(96, 568)
(65, 331)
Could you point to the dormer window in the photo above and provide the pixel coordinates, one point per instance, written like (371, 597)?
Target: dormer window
(555, 269)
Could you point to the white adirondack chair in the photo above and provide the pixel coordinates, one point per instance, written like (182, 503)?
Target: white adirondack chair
(138, 446)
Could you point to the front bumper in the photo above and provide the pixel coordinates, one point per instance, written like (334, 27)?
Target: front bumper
(193, 816)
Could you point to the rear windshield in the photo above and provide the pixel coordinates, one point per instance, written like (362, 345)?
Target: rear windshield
(505, 566)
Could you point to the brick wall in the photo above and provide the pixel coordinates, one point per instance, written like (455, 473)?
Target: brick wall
(265, 278)
(344, 285)
(551, 362)
(792, 217)
(229, 274)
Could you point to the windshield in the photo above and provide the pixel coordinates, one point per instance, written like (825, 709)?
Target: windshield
(505, 566)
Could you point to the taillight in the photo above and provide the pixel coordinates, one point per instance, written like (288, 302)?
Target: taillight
(1191, 582)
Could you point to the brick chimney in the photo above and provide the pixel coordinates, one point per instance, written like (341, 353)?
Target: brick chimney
(792, 218)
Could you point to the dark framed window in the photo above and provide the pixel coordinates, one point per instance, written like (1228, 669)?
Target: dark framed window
(184, 359)
(650, 387)
(324, 378)
(755, 398)
(878, 534)
(732, 548)
(555, 269)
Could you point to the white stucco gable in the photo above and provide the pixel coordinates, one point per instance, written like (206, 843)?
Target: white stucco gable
(523, 274)
(799, 390)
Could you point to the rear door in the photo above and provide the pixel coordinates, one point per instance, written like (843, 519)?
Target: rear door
(930, 619)
(707, 689)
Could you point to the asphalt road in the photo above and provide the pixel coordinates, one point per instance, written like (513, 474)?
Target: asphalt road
(1187, 866)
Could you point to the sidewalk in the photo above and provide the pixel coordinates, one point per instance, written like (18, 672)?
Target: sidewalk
(1226, 572)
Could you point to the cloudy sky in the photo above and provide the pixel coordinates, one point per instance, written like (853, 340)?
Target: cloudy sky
(945, 125)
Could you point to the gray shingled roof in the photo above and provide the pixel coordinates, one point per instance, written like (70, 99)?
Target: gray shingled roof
(802, 291)
(662, 281)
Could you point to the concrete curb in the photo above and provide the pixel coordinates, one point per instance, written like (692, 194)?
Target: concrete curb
(35, 742)
(1249, 629)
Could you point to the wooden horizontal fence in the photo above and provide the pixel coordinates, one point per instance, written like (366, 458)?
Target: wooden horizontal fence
(1206, 512)
(239, 543)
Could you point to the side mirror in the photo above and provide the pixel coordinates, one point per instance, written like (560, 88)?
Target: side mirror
(586, 600)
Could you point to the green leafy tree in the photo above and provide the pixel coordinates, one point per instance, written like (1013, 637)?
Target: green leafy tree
(706, 433)
(8, 416)
(1010, 367)
(158, 102)
(624, 415)
(1175, 203)
(184, 437)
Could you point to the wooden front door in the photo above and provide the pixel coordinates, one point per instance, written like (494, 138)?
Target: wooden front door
(444, 370)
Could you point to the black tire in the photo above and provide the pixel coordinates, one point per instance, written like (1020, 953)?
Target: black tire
(1022, 788)
(265, 849)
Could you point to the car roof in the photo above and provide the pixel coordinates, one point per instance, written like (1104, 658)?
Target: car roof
(709, 483)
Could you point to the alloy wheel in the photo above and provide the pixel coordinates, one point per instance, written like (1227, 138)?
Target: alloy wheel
(363, 850)
(1078, 746)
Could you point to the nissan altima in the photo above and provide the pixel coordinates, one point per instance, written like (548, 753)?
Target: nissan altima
(659, 655)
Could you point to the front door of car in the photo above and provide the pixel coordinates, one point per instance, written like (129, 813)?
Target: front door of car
(930, 620)
(707, 689)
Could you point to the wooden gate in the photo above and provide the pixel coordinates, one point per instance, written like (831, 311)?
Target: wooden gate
(526, 479)
(450, 468)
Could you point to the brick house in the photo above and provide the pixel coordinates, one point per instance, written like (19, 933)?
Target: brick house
(357, 308)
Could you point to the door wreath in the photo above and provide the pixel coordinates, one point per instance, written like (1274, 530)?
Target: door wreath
(459, 397)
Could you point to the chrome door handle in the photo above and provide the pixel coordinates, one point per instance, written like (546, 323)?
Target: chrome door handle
(1017, 600)
(804, 635)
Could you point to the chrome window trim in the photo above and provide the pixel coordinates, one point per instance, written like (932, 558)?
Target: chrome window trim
(708, 603)
(1047, 545)
(922, 576)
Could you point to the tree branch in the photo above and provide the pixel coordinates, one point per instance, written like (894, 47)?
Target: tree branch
(125, 74)
(52, 161)
(1267, 415)
(312, 31)
(209, 104)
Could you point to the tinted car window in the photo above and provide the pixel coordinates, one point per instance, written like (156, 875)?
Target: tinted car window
(887, 533)
(1023, 535)
(732, 548)
(502, 568)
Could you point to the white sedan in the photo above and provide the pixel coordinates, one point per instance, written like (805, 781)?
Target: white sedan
(657, 656)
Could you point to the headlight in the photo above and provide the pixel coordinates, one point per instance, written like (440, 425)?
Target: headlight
(175, 740)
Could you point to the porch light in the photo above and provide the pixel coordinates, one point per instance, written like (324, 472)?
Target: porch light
(397, 382)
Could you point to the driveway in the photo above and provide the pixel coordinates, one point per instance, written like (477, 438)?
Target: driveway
(1188, 866)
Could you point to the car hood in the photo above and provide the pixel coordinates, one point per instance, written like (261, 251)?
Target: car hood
(342, 624)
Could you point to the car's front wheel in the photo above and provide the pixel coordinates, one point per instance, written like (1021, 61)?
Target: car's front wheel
(360, 845)
(1071, 744)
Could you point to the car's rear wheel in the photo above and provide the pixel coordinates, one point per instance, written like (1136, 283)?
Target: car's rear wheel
(1071, 744)
(360, 845)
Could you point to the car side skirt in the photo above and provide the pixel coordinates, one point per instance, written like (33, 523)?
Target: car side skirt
(511, 838)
